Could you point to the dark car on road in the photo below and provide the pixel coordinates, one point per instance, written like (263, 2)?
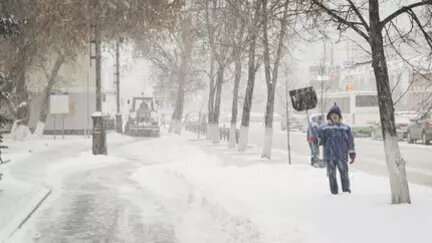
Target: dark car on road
(420, 128)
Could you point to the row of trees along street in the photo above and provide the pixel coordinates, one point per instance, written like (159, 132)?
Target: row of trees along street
(53, 33)
(208, 45)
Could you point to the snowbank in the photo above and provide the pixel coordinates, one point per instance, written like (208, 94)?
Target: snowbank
(273, 202)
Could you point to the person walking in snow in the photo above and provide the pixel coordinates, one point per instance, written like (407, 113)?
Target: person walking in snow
(312, 139)
(338, 144)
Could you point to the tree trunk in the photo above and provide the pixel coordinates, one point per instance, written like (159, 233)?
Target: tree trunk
(287, 115)
(217, 105)
(26, 51)
(181, 78)
(211, 99)
(247, 104)
(176, 124)
(44, 109)
(20, 130)
(268, 136)
(21, 87)
(271, 78)
(395, 162)
(173, 119)
(234, 109)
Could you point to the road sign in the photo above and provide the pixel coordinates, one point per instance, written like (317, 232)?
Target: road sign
(59, 103)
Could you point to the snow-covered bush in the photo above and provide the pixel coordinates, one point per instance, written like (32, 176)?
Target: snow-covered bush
(9, 26)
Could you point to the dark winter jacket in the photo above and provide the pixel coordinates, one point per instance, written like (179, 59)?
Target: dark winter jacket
(337, 140)
(312, 132)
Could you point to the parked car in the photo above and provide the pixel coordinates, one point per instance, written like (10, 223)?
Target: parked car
(362, 131)
(402, 123)
(402, 120)
(312, 117)
(296, 122)
(420, 128)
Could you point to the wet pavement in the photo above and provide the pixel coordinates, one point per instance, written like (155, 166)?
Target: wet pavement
(103, 205)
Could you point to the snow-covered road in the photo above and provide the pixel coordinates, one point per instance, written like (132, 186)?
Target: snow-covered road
(370, 153)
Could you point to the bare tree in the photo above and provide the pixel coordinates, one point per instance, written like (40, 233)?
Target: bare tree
(62, 28)
(271, 73)
(171, 49)
(238, 20)
(68, 42)
(253, 28)
(220, 26)
(9, 26)
(363, 17)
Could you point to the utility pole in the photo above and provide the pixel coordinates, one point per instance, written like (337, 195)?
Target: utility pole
(119, 122)
(287, 114)
(99, 133)
(323, 72)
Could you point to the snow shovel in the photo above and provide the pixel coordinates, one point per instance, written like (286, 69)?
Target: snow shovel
(305, 99)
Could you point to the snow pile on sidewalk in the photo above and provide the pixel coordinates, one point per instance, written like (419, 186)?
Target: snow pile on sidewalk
(217, 200)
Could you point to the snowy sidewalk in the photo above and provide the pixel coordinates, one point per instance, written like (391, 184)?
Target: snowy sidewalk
(18, 201)
(209, 193)
(247, 199)
(24, 184)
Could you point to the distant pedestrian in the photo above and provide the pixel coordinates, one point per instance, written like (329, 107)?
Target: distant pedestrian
(338, 144)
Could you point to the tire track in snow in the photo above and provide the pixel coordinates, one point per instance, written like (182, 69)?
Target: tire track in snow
(101, 205)
(197, 217)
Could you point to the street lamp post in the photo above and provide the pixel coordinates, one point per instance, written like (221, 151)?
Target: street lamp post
(323, 74)
(119, 122)
(99, 134)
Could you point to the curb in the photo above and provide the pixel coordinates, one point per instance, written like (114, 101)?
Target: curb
(17, 224)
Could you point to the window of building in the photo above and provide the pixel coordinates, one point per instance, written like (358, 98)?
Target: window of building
(366, 100)
(342, 102)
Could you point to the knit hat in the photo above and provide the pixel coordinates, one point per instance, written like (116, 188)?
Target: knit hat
(334, 109)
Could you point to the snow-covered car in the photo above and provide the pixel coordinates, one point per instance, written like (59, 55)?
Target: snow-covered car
(402, 120)
(420, 128)
(296, 122)
(401, 130)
